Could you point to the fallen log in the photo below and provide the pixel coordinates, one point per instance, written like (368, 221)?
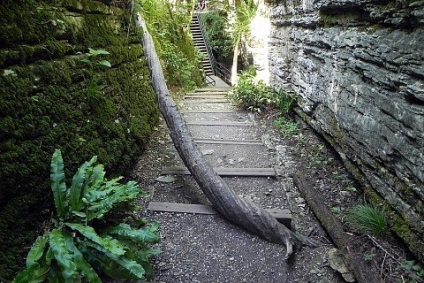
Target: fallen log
(353, 259)
(235, 209)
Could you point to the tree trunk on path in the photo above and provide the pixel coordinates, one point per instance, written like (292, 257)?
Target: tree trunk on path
(224, 199)
(353, 259)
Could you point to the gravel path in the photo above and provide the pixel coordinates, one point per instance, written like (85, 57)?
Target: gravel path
(207, 248)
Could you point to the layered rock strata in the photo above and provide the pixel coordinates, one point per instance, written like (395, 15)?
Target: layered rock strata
(358, 67)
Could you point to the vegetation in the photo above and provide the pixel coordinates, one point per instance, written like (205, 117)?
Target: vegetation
(217, 35)
(169, 27)
(287, 127)
(50, 99)
(71, 249)
(255, 96)
(244, 11)
(368, 218)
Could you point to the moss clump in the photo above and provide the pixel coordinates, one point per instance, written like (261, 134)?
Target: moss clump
(50, 99)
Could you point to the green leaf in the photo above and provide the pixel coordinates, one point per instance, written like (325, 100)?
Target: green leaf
(120, 193)
(105, 63)
(142, 235)
(49, 256)
(35, 274)
(86, 61)
(58, 241)
(95, 52)
(8, 72)
(79, 214)
(131, 268)
(335, 209)
(95, 179)
(57, 179)
(110, 244)
(82, 265)
(36, 251)
(76, 189)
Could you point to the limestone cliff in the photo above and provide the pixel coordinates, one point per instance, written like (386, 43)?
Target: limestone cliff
(358, 66)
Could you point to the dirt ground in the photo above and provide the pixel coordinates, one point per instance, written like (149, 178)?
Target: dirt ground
(208, 248)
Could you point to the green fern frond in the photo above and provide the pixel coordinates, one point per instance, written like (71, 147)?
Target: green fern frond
(35, 274)
(87, 271)
(122, 193)
(59, 243)
(124, 267)
(110, 244)
(77, 187)
(95, 179)
(146, 234)
(36, 251)
(57, 179)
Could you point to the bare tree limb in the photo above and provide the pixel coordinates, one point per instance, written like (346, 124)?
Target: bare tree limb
(235, 209)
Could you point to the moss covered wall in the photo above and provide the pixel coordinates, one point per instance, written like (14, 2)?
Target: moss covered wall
(50, 99)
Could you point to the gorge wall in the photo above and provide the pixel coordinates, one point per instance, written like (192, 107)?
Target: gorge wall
(358, 68)
(50, 99)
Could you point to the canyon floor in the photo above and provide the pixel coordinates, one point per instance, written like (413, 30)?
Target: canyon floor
(208, 248)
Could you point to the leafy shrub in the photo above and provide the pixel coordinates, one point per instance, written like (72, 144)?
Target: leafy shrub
(72, 249)
(251, 95)
(285, 102)
(367, 218)
(220, 41)
(169, 27)
(287, 127)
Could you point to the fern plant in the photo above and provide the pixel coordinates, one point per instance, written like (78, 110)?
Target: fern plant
(72, 250)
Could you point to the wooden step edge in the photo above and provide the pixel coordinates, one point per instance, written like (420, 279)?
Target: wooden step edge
(228, 142)
(217, 93)
(205, 96)
(205, 101)
(246, 172)
(221, 123)
(212, 111)
(283, 216)
(212, 89)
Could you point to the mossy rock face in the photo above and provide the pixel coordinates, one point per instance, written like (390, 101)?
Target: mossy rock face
(50, 99)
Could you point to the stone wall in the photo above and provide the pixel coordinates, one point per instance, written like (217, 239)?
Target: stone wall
(358, 67)
(50, 99)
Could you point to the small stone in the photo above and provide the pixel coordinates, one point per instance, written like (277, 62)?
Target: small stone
(299, 200)
(208, 152)
(337, 263)
(166, 179)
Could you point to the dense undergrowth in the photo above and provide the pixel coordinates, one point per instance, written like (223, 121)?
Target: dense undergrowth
(169, 26)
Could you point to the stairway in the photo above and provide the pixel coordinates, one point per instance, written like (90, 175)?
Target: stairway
(200, 44)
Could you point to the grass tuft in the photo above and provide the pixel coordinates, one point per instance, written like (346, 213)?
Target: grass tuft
(368, 218)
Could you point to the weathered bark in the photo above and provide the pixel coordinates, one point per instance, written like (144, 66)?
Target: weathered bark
(224, 199)
(353, 258)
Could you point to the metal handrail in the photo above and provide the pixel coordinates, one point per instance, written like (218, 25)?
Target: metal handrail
(219, 69)
(202, 30)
